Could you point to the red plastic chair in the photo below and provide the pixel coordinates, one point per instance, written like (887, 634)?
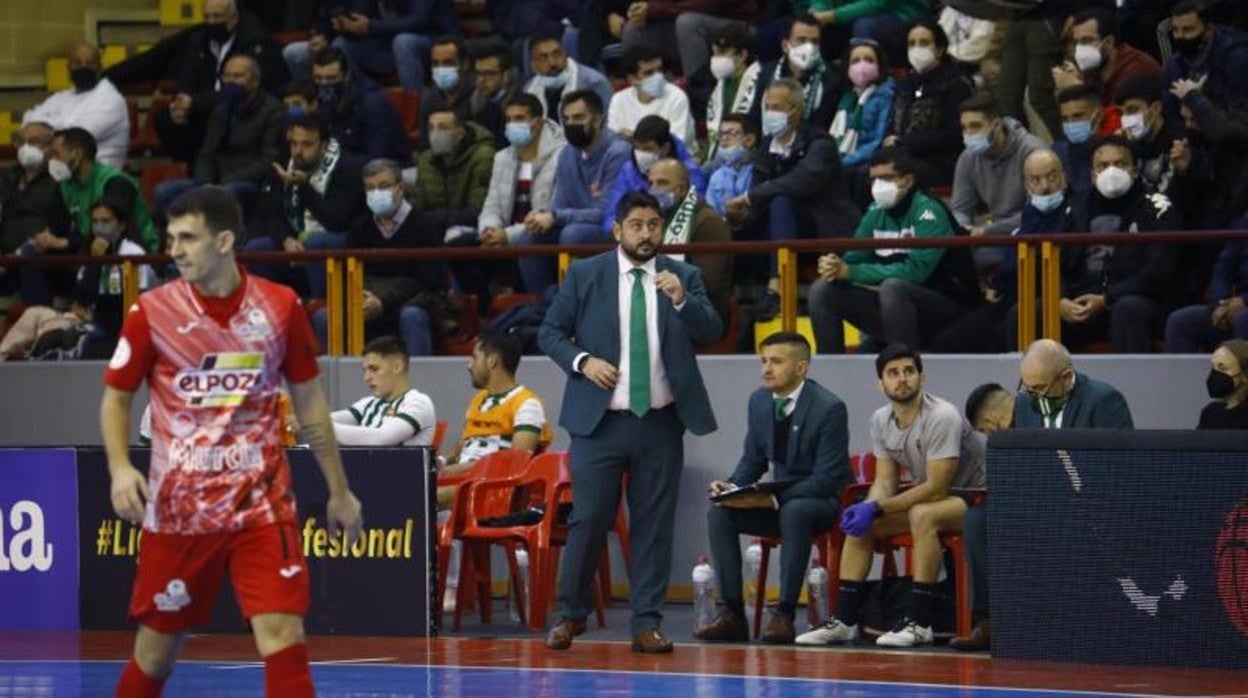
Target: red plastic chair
(507, 464)
(153, 173)
(827, 543)
(408, 106)
(439, 434)
(559, 538)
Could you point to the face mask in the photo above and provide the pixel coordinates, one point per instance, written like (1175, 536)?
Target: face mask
(108, 231)
(723, 67)
(732, 154)
(59, 170)
(775, 122)
(293, 113)
(666, 199)
(232, 93)
(578, 135)
(1047, 407)
(1088, 57)
(1077, 131)
(885, 194)
(329, 94)
(976, 142)
(1188, 48)
(645, 160)
(518, 134)
(84, 79)
(863, 73)
(803, 56)
(446, 77)
(1219, 384)
(1047, 202)
(441, 142)
(654, 86)
(921, 58)
(218, 32)
(1113, 182)
(381, 202)
(1134, 125)
(556, 81)
(29, 156)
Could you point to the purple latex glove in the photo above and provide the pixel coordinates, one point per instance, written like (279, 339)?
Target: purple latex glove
(856, 519)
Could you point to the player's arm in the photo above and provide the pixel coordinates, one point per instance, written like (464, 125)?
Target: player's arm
(393, 431)
(343, 509)
(344, 417)
(526, 432)
(525, 439)
(885, 483)
(129, 488)
(940, 474)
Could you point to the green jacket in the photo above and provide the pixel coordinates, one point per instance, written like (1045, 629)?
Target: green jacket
(923, 217)
(454, 189)
(846, 11)
(80, 197)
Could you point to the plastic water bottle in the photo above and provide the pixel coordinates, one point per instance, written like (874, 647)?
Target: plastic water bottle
(452, 577)
(703, 594)
(522, 562)
(817, 591)
(753, 561)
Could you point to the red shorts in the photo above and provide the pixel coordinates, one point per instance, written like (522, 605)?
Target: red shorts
(179, 576)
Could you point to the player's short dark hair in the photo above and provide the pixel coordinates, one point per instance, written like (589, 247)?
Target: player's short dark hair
(1080, 93)
(978, 399)
(938, 32)
(386, 346)
(1106, 25)
(899, 158)
(654, 129)
(310, 122)
(635, 200)
(300, 88)
(983, 103)
(892, 353)
(793, 339)
(217, 206)
(529, 102)
(329, 56)
(1116, 142)
(1144, 87)
(639, 53)
(749, 127)
(1187, 7)
(502, 345)
(589, 97)
(79, 139)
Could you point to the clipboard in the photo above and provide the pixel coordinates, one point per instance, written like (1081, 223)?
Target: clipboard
(763, 486)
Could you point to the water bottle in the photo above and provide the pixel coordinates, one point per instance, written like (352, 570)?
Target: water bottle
(817, 591)
(522, 562)
(703, 594)
(452, 577)
(753, 561)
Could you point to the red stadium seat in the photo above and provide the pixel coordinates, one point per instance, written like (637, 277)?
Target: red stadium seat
(153, 173)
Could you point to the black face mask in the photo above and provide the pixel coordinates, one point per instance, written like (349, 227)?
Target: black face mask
(578, 135)
(218, 32)
(1219, 384)
(84, 78)
(1188, 48)
(329, 94)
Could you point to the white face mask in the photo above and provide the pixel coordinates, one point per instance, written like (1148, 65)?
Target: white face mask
(723, 67)
(921, 58)
(645, 160)
(885, 194)
(59, 170)
(803, 56)
(1113, 182)
(29, 156)
(1134, 125)
(1088, 57)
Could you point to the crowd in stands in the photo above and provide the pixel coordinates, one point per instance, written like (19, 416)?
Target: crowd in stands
(400, 124)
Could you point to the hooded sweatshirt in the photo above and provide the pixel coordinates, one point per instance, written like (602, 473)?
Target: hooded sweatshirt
(994, 181)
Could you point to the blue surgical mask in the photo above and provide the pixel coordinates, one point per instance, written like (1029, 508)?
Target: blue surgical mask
(293, 113)
(446, 77)
(654, 86)
(518, 133)
(556, 81)
(382, 202)
(732, 154)
(1077, 131)
(666, 199)
(775, 122)
(976, 142)
(1045, 203)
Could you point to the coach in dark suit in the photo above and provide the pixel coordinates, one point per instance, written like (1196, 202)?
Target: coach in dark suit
(800, 430)
(1055, 397)
(630, 396)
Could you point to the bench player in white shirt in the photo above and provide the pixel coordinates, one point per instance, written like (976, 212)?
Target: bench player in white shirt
(396, 414)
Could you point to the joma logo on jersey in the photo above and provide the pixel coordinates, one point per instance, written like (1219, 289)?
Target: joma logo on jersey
(222, 380)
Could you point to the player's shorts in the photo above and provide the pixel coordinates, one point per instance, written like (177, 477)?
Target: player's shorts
(179, 576)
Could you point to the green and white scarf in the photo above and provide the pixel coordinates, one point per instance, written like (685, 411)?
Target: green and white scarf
(847, 125)
(301, 219)
(813, 84)
(680, 227)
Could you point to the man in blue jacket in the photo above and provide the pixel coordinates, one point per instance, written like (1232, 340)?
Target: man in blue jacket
(801, 430)
(1201, 49)
(623, 326)
(653, 141)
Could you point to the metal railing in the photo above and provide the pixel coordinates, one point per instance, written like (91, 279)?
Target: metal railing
(1037, 292)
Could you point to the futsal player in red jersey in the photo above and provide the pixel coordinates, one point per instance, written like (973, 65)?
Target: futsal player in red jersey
(214, 347)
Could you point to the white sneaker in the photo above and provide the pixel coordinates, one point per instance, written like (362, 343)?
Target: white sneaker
(833, 632)
(906, 634)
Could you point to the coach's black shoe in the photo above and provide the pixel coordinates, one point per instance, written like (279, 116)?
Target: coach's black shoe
(977, 641)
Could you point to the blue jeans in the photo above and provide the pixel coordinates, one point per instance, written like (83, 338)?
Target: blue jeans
(404, 54)
(415, 329)
(539, 272)
(1190, 330)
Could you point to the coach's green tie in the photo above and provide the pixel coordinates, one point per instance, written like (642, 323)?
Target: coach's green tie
(782, 404)
(638, 349)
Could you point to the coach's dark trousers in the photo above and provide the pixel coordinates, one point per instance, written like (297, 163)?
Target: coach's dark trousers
(650, 450)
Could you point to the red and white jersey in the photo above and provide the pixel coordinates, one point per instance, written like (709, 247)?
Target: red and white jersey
(213, 368)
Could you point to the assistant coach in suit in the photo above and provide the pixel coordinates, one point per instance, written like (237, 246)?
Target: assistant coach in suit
(799, 430)
(623, 325)
(1054, 396)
